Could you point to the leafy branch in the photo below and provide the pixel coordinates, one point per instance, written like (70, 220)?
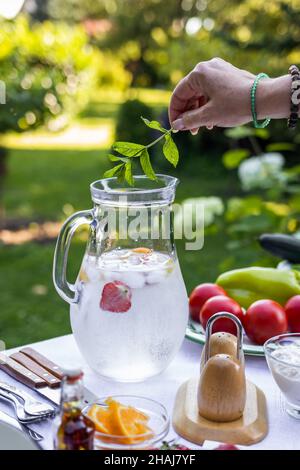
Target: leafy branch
(128, 151)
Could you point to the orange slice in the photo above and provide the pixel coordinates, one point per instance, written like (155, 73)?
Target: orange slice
(101, 418)
(119, 420)
(132, 424)
(142, 249)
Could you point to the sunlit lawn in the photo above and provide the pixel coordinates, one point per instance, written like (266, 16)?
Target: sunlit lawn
(94, 127)
(49, 183)
(44, 183)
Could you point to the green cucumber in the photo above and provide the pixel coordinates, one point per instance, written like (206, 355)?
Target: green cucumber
(283, 246)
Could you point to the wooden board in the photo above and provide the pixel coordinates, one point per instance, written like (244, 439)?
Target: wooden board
(252, 427)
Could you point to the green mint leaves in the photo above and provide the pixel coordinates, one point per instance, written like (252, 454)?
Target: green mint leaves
(154, 125)
(129, 149)
(126, 152)
(170, 150)
(146, 165)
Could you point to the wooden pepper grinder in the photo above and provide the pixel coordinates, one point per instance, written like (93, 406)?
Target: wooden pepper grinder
(222, 384)
(221, 405)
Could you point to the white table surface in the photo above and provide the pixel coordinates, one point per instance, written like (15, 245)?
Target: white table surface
(284, 431)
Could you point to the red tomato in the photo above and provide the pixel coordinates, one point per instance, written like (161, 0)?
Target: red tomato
(200, 295)
(292, 310)
(221, 303)
(264, 319)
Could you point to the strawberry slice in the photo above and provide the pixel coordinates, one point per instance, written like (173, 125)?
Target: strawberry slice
(116, 297)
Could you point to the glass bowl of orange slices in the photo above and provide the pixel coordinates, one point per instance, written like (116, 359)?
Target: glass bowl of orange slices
(127, 422)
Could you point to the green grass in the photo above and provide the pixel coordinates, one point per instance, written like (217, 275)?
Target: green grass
(26, 316)
(41, 183)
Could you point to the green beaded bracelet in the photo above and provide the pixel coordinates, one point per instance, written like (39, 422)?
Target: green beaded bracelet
(257, 125)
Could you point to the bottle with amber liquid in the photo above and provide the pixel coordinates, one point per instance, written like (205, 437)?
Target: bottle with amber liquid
(75, 431)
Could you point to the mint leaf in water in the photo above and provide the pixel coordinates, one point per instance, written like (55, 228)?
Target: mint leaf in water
(146, 165)
(129, 149)
(154, 125)
(170, 150)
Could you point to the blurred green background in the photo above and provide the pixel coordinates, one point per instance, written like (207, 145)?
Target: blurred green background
(78, 74)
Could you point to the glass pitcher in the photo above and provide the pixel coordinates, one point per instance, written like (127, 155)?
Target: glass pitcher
(129, 305)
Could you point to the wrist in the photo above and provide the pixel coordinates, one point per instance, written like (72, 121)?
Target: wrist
(273, 98)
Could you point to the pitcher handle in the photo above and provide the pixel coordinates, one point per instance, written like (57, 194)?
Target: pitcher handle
(66, 290)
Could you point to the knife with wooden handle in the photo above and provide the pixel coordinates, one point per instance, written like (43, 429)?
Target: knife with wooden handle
(29, 375)
(20, 373)
(34, 367)
(44, 362)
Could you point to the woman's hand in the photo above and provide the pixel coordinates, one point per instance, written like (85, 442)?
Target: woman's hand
(216, 93)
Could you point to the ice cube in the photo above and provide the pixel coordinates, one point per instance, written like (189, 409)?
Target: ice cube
(110, 264)
(92, 273)
(134, 260)
(112, 275)
(135, 280)
(162, 258)
(124, 254)
(111, 255)
(154, 277)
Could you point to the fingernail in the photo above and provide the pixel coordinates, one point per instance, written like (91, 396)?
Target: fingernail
(178, 125)
(194, 132)
(175, 130)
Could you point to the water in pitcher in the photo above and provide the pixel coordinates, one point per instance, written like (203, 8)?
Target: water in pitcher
(131, 313)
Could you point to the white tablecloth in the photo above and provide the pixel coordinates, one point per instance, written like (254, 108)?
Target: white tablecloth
(284, 431)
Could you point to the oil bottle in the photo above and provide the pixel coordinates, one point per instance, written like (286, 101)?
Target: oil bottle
(75, 431)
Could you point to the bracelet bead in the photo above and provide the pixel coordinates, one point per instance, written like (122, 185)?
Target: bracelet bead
(294, 108)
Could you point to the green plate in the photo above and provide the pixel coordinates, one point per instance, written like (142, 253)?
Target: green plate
(195, 332)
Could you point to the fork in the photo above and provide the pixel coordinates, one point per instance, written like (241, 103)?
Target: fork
(19, 409)
(31, 405)
(35, 436)
(5, 418)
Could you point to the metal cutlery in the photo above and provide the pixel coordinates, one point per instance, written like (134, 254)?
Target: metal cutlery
(35, 436)
(5, 418)
(31, 405)
(40, 376)
(19, 409)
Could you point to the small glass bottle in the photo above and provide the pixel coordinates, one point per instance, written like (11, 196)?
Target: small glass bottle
(75, 431)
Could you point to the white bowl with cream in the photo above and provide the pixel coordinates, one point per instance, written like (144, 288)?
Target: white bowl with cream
(283, 357)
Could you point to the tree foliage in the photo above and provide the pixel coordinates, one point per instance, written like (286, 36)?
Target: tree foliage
(153, 39)
(77, 10)
(48, 70)
(263, 33)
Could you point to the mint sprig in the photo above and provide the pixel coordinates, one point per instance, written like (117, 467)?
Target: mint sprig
(125, 152)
